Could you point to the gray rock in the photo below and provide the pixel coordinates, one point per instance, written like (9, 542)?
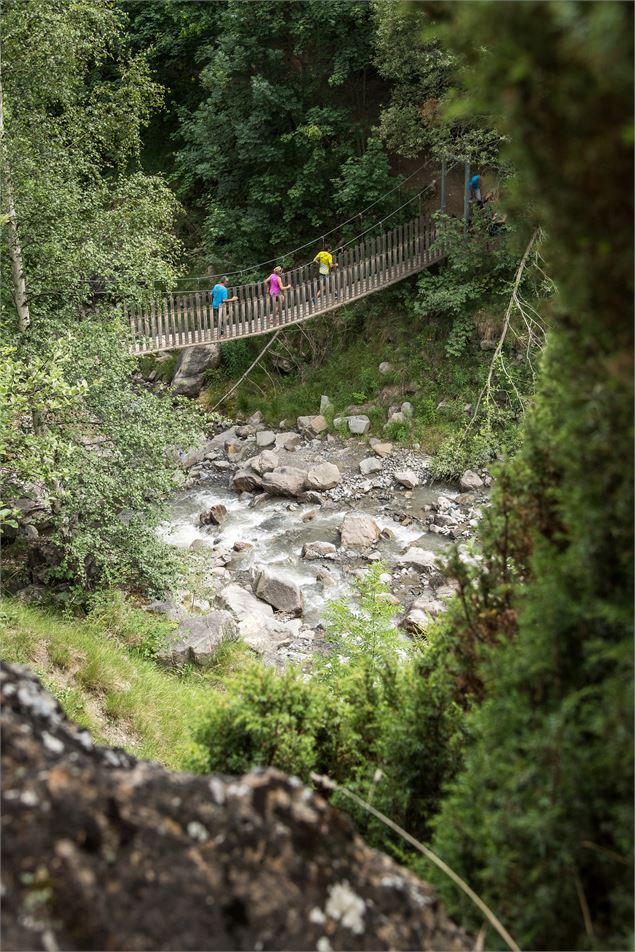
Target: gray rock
(407, 478)
(284, 481)
(265, 462)
(288, 441)
(256, 418)
(322, 477)
(370, 465)
(407, 409)
(383, 450)
(396, 417)
(325, 404)
(319, 550)
(236, 450)
(311, 425)
(265, 438)
(278, 590)
(213, 516)
(311, 497)
(191, 367)
(420, 559)
(198, 637)
(385, 367)
(245, 480)
(358, 530)
(470, 481)
(415, 621)
(359, 425)
(244, 605)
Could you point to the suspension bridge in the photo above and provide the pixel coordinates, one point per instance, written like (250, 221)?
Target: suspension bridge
(182, 320)
(364, 266)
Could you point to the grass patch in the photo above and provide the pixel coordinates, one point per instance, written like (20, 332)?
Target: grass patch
(92, 667)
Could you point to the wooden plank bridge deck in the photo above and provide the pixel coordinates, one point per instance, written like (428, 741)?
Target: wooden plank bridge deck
(175, 321)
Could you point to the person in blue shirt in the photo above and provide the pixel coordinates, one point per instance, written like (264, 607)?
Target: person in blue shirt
(475, 190)
(220, 297)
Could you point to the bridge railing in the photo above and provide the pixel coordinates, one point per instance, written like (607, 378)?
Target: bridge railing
(174, 321)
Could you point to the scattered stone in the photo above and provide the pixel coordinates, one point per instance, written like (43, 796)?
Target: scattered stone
(311, 425)
(256, 418)
(385, 367)
(236, 450)
(319, 550)
(359, 425)
(407, 478)
(241, 546)
(358, 530)
(382, 450)
(465, 499)
(325, 404)
(370, 465)
(265, 462)
(214, 516)
(265, 438)
(420, 559)
(311, 497)
(284, 481)
(470, 480)
(282, 593)
(191, 366)
(322, 477)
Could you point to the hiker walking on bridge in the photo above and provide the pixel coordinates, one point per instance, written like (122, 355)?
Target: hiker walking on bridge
(325, 263)
(220, 297)
(276, 288)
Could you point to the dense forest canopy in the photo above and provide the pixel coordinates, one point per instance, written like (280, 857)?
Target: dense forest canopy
(143, 143)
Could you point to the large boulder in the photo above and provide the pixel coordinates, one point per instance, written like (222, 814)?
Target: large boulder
(470, 481)
(359, 530)
(265, 438)
(213, 516)
(284, 481)
(257, 625)
(407, 479)
(319, 550)
(311, 425)
(322, 477)
(245, 481)
(369, 466)
(101, 851)
(278, 590)
(198, 637)
(420, 559)
(191, 367)
(265, 462)
(359, 425)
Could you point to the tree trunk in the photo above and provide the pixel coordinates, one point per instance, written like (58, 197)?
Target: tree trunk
(15, 251)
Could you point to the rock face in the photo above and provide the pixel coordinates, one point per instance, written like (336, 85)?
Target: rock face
(279, 591)
(470, 481)
(359, 530)
(198, 638)
(191, 366)
(284, 481)
(122, 854)
(322, 477)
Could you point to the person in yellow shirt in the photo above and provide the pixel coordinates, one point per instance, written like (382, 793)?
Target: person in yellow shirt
(325, 263)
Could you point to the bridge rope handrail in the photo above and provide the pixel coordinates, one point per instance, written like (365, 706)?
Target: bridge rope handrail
(320, 237)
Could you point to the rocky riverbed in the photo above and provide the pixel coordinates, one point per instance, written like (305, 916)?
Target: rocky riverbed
(282, 522)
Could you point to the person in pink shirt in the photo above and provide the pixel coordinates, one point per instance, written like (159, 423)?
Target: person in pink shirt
(276, 288)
